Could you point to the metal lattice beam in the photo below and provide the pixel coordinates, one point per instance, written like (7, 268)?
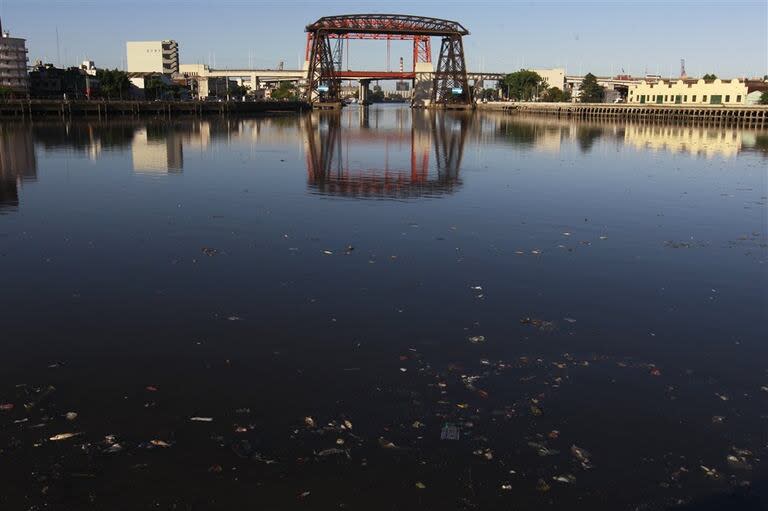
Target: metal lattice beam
(322, 82)
(387, 24)
(450, 80)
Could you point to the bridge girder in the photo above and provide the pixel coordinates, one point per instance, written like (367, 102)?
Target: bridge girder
(387, 24)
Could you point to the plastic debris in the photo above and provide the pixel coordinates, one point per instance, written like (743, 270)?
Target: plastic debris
(582, 455)
(70, 416)
(113, 449)
(475, 339)
(6, 407)
(420, 485)
(201, 419)
(63, 436)
(450, 432)
(386, 444)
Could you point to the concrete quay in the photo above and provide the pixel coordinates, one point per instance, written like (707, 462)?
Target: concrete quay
(21, 109)
(754, 116)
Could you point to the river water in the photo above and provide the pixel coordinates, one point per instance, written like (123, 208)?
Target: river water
(383, 309)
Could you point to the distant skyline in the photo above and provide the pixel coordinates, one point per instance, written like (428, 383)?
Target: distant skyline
(729, 39)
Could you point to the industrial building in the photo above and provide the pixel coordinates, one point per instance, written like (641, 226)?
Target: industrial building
(153, 57)
(692, 92)
(13, 63)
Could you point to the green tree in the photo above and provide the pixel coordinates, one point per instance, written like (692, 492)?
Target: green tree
(238, 91)
(591, 92)
(555, 95)
(155, 88)
(376, 95)
(522, 85)
(764, 98)
(710, 76)
(489, 94)
(285, 90)
(113, 83)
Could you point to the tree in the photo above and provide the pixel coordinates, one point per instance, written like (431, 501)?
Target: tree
(764, 98)
(155, 88)
(113, 83)
(285, 90)
(710, 77)
(489, 94)
(522, 85)
(238, 91)
(376, 95)
(555, 95)
(591, 92)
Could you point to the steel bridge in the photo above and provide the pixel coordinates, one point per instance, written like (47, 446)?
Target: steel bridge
(435, 141)
(446, 87)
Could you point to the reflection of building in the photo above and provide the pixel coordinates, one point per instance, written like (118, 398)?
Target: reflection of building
(17, 162)
(157, 149)
(695, 140)
(153, 57)
(13, 62)
(420, 160)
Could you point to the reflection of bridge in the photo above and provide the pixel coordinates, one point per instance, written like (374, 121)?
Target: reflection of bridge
(331, 173)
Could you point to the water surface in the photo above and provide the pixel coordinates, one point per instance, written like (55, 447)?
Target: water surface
(332, 291)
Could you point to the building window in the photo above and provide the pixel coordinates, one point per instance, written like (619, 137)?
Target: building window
(727, 98)
(685, 99)
(666, 98)
(693, 98)
(704, 98)
(738, 99)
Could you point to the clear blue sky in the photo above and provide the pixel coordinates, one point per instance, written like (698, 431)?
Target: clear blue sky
(729, 38)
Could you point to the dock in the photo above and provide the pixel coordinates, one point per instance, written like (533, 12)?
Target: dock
(105, 109)
(752, 115)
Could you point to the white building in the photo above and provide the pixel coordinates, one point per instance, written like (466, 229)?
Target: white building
(13, 63)
(153, 57)
(554, 77)
(89, 67)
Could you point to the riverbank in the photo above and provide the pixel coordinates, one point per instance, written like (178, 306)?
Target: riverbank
(118, 108)
(754, 116)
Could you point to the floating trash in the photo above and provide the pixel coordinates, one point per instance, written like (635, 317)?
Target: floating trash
(450, 432)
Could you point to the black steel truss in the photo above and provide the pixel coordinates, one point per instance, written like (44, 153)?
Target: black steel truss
(322, 83)
(450, 82)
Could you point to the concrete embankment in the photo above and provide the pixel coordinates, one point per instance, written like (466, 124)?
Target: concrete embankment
(115, 108)
(756, 116)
